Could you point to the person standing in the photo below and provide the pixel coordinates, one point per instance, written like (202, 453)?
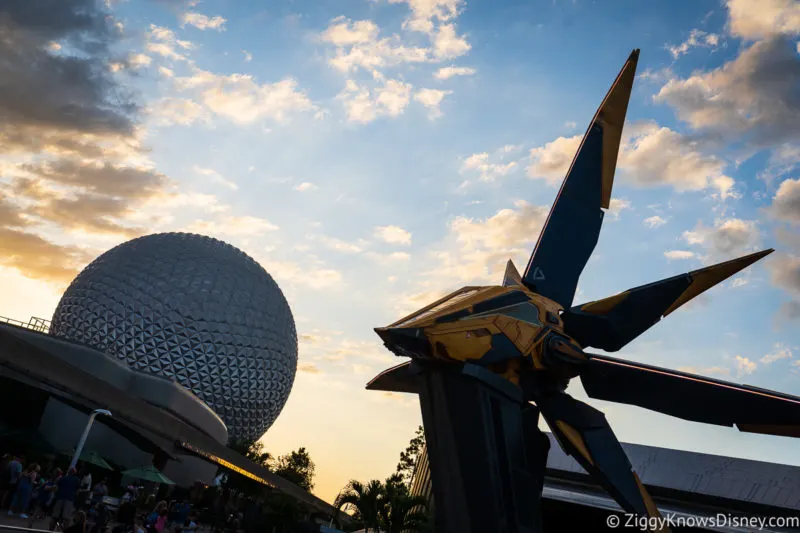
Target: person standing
(22, 495)
(13, 473)
(66, 494)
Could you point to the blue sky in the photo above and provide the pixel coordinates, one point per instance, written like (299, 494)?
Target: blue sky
(374, 154)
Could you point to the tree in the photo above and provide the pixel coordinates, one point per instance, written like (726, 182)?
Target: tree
(253, 450)
(408, 458)
(364, 500)
(296, 467)
(400, 510)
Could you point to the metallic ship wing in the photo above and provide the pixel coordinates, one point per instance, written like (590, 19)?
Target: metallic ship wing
(692, 397)
(584, 433)
(511, 278)
(613, 322)
(400, 378)
(572, 229)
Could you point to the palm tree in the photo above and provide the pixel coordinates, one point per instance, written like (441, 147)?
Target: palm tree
(401, 511)
(365, 501)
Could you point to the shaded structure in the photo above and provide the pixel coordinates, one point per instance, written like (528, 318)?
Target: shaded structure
(488, 361)
(168, 427)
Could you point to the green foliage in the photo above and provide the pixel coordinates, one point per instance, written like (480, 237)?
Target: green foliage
(383, 506)
(296, 467)
(408, 457)
(253, 450)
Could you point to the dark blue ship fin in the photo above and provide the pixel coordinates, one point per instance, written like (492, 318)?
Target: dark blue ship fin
(613, 322)
(572, 229)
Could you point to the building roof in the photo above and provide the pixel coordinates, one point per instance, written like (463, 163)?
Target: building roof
(80, 386)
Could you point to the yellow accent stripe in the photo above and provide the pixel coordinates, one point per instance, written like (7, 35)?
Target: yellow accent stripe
(575, 438)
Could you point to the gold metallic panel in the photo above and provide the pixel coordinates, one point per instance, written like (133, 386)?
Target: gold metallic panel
(706, 278)
(575, 438)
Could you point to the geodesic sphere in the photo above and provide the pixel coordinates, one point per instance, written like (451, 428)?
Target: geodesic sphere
(194, 309)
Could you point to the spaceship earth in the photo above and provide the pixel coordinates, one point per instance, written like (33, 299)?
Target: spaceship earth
(194, 309)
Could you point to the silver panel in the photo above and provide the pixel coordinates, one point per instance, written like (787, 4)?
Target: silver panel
(193, 309)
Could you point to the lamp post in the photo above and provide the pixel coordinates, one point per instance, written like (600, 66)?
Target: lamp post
(81, 442)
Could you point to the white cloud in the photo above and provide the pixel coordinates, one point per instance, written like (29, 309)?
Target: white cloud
(301, 274)
(734, 103)
(781, 352)
(679, 254)
(248, 57)
(215, 176)
(177, 111)
(654, 221)
(445, 73)
(551, 161)
(488, 171)
(306, 186)
(757, 20)
(728, 237)
(616, 205)
(363, 106)
(447, 44)
(203, 22)
(241, 99)
(431, 98)
(697, 38)
(139, 60)
(744, 366)
(393, 235)
(233, 226)
(786, 202)
(164, 42)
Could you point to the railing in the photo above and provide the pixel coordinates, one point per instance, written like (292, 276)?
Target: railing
(35, 323)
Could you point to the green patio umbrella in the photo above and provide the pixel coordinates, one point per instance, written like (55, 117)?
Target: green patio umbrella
(148, 473)
(92, 458)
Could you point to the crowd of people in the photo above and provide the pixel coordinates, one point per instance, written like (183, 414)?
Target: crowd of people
(74, 504)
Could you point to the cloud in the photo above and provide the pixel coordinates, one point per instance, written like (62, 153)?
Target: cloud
(309, 368)
(757, 20)
(216, 177)
(233, 226)
(735, 102)
(431, 98)
(203, 22)
(306, 186)
(241, 99)
(654, 221)
(697, 38)
(36, 258)
(781, 352)
(248, 57)
(447, 44)
(650, 155)
(727, 238)
(393, 235)
(679, 254)
(476, 249)
(551, 161)
(744, 366)
(617, 205)
(488, 171)
(170, 110)
(163, 41)
(713, 370)
(785, 271)
(786, 202)
(445, 73)
(653, 155)
(363, 105)
(303, 275)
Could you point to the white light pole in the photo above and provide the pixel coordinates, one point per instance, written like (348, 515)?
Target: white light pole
(81, 442)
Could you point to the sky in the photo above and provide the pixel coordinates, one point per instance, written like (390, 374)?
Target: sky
(374, 155)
